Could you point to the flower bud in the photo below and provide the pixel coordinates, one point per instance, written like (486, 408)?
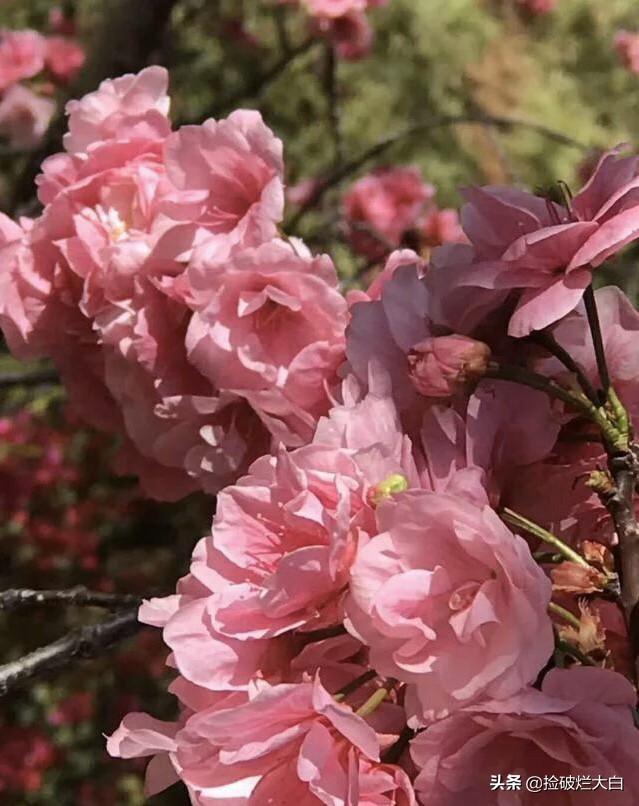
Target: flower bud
(395, 483)
(439, 367)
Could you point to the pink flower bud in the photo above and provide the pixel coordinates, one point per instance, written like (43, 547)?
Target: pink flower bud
(439, 367)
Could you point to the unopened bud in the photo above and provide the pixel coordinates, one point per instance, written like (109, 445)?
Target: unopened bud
(395, 483)
(440, 366)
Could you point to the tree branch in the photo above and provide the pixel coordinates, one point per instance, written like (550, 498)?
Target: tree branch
(350, 167)
(81, 644)
(19, 598)
(259, 82)
(625, 472)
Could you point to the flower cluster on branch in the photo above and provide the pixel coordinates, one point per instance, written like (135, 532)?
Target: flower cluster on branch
(424, 563)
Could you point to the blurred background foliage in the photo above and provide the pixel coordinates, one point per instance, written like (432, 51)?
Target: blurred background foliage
(64, 519)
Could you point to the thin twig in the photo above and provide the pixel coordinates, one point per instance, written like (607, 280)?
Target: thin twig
(331, 89)
(519, 521)
(349, 688)
(19, 598)
(259, 82)
(81, 644)
(350, 167)
(526, 377)
(35, 378)
(597, 339)
(395, 751)
(548, 341)
(570, 649)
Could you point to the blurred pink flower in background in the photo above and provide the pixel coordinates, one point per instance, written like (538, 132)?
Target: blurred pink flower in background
(64, 57)
(382, 206)
(627, 46)
(24, 116)
(22, 55)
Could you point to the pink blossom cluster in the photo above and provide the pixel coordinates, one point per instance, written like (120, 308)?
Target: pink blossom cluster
(344, 23)
(26, 109)
(25, 756)
(375, 616)
(393, 207)
(50, 507)
(156, 280)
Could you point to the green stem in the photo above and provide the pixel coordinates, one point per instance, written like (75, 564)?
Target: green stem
(372, 703)
(533, 528)
(565, 614)
(358, 682)
(576, 653)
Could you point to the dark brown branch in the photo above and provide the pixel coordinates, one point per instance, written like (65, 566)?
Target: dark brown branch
(350, 167)
(625, 471)
(81, 644)
(35, 378)
(360, 681)
(396, 751)
(19, 598)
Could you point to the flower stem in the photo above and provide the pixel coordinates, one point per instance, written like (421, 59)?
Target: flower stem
(575, 652)
(565, 614)
(597, 339)
(522, 375)
(358, 682)
(514, 519)
(372, 703)
(548, 341)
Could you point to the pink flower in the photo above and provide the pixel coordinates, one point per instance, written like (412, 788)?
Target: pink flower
(269, 326)
(627, 46)
(446, 597)
(303, 191)
(22, 56)
(400, 257)
(384, 330)
(441, 366)
(278, 559)
(290, 744)
(333, 8)
(233, 171)
(441, 226)
(99, 283)
(543, 251)
(24, 117)
(25, 756)
(538, 7)
(580, 723)
(125, 108)
(64, 57)
(381, 207)
(141, 736)
(60, 23)
(351, 34)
